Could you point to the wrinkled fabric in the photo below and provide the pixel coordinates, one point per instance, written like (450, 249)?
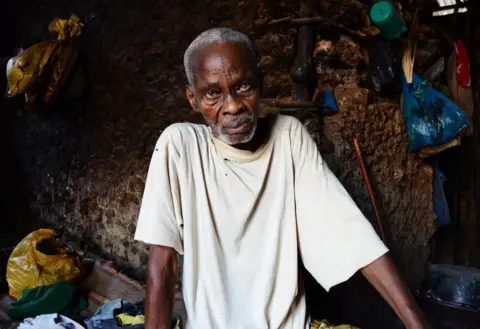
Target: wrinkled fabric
(127, 319)
(49, 321)
(113, 324)
(55, 298)
(105, 317)
(105, 313)
(213, 203)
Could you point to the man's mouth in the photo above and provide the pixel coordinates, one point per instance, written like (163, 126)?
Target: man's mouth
(239, 129)
(236, 130)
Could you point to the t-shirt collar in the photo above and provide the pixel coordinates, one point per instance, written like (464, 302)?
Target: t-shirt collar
(234, 154)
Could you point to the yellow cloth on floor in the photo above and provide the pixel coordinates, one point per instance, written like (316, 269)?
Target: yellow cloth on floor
(177, 326)
(324, 324)
(126, 319)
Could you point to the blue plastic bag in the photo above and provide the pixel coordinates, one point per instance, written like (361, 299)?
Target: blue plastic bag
(431, 118)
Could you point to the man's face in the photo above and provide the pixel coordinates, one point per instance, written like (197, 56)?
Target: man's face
(226, 92)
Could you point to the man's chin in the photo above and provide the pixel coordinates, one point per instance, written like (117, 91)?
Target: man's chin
(239, 140)
(236, 138)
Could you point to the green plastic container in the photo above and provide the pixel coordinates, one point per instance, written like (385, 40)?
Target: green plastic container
(386, 17)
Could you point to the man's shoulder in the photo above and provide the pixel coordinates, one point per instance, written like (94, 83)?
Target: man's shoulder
(183, 128)
(286, 124)
(290, 129)
(182, 134)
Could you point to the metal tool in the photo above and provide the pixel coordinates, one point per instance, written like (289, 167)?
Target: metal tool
(302, 73)
(318, 104)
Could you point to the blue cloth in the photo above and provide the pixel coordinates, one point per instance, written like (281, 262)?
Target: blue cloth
(440, 204)
(108, 312)
(112, 324)
(329, 101)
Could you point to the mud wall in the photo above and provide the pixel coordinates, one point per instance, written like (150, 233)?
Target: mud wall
(81, 167)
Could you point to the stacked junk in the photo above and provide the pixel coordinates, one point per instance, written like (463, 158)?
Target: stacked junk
(426, 69)
(52, 284)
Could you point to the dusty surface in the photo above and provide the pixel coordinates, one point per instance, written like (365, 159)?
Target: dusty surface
(82, 167)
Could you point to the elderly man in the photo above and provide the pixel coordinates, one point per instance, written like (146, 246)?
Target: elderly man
(245, 198)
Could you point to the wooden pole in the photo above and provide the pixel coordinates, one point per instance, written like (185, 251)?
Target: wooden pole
(369, 187)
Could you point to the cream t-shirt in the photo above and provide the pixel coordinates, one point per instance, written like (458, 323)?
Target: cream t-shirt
(243, 221)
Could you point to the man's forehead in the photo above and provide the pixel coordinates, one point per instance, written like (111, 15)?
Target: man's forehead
(218, 57)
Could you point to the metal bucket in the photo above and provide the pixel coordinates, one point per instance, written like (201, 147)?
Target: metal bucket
(452, 286)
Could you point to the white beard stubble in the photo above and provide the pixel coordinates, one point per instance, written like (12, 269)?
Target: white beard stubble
(217, 130)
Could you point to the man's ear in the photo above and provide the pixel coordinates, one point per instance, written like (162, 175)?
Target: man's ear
(190, 94)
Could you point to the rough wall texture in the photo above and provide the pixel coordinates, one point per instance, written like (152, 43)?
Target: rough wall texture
(82, 167)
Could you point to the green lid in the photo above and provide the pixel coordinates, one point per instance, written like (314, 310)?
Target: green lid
(386, 17)
(381, 11)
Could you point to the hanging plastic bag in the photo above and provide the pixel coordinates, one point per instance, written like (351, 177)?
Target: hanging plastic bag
(385, 67)
(32, 68)
(26, 70)
(28, 267)
(431, 118)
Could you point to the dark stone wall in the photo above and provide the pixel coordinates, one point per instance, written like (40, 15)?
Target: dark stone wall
(81, 167)
(13, 207)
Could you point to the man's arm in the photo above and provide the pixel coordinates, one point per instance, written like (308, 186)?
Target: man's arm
(162, 276)
(384, 277)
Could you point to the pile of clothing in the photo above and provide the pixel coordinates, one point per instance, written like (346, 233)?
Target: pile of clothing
(121, 314)
(50, 321)
(117, 314)
(50, 286)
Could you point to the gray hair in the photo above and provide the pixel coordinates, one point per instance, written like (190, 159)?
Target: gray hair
(218, 35)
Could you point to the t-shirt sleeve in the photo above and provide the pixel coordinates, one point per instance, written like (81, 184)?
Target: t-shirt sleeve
(160, 218)
(335, 238)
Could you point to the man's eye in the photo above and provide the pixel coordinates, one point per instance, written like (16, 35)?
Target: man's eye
(212, 94)
(244, 87)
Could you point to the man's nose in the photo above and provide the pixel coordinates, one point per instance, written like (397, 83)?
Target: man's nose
(233, 106)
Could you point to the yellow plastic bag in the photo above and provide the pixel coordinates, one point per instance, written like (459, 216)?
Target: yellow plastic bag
(30, 68)
(29, 268)
(324, 324)
(25, 70)
(66, 28)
